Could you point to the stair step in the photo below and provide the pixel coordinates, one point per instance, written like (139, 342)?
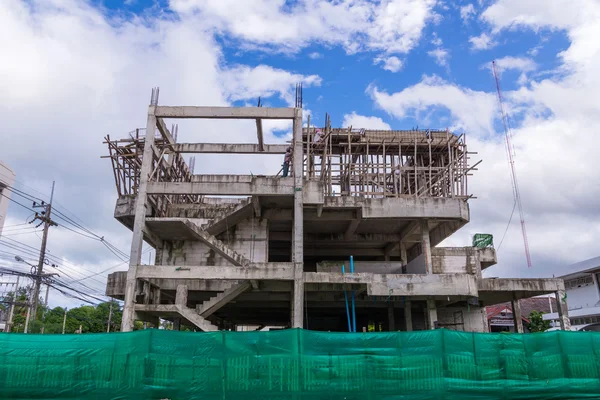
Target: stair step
(213, 304)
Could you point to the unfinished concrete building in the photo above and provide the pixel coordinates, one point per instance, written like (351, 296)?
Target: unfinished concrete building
(252, 250)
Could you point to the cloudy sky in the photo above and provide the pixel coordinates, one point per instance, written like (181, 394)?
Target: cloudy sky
(74, 71)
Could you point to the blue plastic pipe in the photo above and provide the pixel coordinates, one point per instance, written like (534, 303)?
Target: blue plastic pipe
(353, 306)
(347, 308)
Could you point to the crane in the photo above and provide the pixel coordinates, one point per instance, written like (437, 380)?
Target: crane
(511, 161)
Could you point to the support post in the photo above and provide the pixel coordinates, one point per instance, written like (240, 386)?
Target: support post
(408, 315)
(563, 310)
(298, 229)
(426, 246)
(109, 317)
(138, 226)
(516, 312)
(403, 256)
(431, 314)
(181, 295)
(391, 319)
(64, 321)
(11, 313)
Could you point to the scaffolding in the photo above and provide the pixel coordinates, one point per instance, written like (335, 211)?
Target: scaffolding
(397, 163)
(347, 161)
(167, 166)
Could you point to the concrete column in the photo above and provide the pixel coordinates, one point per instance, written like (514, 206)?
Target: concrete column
(181, 295)
(408, 315)
(135, 256)
(391, 319)
(177, 324)
(485, 324)
(563, 310)
(298, 229)
(426, 246)
(516, 312)
(431, 314)
(403, 256)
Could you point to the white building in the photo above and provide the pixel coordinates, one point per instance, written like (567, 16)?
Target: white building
(7, 178)
(583, 293)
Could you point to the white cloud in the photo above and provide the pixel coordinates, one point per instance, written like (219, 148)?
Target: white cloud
(393, 26)
(467, 12)
(522, 64)
(363, 122)
(482, 42)
(470, 109)
(440, 55)
(315, 55)
(436, 41)
(392, 64)
(244, 83)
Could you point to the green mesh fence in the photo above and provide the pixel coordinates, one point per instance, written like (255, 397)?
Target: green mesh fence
(296, 364)
(482, 240)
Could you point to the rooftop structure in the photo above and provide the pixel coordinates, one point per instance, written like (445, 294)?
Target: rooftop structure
(241, 250)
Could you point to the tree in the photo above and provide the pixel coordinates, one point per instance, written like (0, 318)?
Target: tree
(537, 323)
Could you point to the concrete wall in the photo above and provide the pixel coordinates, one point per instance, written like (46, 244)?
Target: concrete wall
(473, 318)
(416, 266)
(447, 260)
(582, 297)
(249, 238)
(7, 178)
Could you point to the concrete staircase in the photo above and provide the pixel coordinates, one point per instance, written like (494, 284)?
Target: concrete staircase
(230, 217)
(213, 304)
(191, 315)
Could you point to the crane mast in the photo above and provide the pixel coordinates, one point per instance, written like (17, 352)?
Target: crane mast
(510, 151)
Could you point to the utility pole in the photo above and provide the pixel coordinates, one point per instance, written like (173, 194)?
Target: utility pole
(11, 313)
(64, 321)
(109, 318)
(47, 291)
(45, 218)
(27, 318)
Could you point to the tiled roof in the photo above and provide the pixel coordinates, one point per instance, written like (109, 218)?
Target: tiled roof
(540, 304)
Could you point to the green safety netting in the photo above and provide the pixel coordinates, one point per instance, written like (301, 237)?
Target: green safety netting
(297, 364)
(482, 240)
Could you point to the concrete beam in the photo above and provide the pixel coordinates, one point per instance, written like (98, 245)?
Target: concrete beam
(164, 131)
(259, 271)
(226, 185)
(423, 285)
(406, 232)
(337, 237)
(521, 285)
(229, 148)
(224, 112)
(351, 228)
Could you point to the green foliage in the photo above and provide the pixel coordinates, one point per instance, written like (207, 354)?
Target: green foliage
(537, 323)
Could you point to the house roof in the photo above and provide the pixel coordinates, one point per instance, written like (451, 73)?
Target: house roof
(540, 304)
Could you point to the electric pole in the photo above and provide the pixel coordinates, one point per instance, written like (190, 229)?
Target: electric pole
(45, 218)
(64, 321)
(11, 313)
(109, 318)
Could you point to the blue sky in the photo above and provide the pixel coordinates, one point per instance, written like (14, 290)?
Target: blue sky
(84, 69)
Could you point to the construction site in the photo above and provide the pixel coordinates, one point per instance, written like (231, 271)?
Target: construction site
(345, 238)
